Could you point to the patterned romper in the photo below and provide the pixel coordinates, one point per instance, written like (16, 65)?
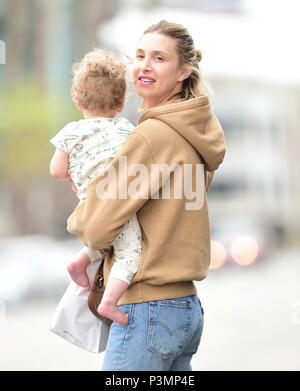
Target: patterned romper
(91, 145)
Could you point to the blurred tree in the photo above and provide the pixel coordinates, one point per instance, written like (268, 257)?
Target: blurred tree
(14, 32)
(33, 29)
(88, 15)
(42, 38)
(25, 151)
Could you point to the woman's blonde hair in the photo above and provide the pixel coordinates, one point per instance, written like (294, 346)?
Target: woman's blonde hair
(194, 85)
(99, 82)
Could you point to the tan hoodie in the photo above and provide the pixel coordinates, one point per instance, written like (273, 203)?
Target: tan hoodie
(175, 230)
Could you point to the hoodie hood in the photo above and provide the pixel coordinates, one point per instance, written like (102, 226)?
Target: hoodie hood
(194, 120)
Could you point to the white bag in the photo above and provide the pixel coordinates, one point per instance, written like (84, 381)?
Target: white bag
(73, 320)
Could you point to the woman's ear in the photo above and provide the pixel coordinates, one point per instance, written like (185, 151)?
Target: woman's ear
(186, 71)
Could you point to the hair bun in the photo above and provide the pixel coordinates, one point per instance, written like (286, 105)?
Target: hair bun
(198, 55)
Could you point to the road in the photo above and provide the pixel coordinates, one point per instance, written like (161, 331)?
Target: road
(252, 322)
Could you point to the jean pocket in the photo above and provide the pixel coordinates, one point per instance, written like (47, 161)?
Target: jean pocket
(168, 329)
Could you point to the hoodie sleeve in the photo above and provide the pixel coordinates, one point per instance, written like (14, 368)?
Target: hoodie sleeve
(208, 178)
(101, 216)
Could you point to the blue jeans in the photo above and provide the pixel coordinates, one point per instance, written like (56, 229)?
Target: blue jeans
(161, 335)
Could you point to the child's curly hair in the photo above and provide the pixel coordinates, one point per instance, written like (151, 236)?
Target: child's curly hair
(99, 82)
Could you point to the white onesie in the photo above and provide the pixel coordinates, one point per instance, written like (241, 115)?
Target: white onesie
(91, 145)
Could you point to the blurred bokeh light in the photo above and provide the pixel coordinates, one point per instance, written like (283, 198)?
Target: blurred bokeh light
(218, 255)
(244, 250)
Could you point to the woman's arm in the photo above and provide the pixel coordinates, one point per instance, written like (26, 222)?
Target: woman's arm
(98, 220)
(59, 165)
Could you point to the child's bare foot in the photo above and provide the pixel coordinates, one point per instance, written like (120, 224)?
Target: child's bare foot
(77, 270)
(111, 311)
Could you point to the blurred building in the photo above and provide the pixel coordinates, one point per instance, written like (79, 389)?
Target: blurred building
(253, 70)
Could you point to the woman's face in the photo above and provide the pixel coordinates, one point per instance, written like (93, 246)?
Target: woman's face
(156, 71)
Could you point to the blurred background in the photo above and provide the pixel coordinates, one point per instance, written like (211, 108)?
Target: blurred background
(251, 297)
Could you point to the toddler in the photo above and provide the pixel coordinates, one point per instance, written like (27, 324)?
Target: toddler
(84, 149)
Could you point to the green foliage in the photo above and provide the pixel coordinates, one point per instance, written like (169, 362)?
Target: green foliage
(28, 119)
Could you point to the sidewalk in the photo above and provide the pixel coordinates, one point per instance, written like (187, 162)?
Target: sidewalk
(252, 322)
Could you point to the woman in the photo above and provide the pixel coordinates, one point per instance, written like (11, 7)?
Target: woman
(179, 131)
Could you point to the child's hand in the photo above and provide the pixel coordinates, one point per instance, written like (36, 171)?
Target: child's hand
(72, 183)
